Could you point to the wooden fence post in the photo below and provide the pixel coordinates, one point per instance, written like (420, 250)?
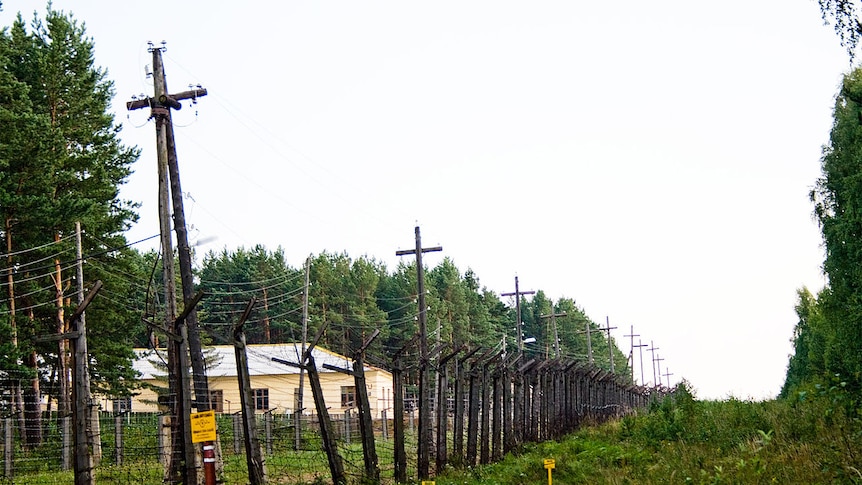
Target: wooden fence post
(66, 425)
(443, 408)
(508, 432)
(345, 427)
(518, 409)
(398, 422)
(236, 421)
(267, 426)
(118, 439)
(366, 421)
(548, 401)
(164, 440)
(519, 414)
(458, 433)
(253, 456)
(398, 411)
(336, 466)
(363, 406)
(473, 414)
(497, 413)
(7, 447)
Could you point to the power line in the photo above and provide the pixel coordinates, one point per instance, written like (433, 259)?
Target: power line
(24, 251)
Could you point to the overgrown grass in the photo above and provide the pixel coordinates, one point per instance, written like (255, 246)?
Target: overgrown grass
(813, 437)
(816, 437)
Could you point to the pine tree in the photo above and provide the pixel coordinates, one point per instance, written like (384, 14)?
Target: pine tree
(69, 168)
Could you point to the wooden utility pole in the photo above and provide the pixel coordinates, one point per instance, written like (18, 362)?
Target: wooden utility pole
(667, 374)
(632, 336)
(83, 457)
(161, 105)
(640, 346)
(81, 390)
(518, 415)
(423, 465)
(519, 332)
(297, 412)
(657, 363)
(187, 328)
(553, 316)
(608, 329)
(652, 350)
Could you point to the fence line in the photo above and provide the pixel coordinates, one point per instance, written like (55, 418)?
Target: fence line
(478, 404)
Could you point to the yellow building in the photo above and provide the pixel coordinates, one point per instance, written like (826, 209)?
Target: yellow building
(275, 386)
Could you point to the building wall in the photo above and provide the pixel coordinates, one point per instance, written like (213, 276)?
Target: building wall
(280, 391)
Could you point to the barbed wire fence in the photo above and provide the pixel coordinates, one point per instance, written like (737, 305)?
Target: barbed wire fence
(559, 396)
(483, 402)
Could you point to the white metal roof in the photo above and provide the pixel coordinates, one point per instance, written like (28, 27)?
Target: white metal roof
(221, 360)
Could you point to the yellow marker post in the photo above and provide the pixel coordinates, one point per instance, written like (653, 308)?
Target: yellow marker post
(428, 482)
(549, 465)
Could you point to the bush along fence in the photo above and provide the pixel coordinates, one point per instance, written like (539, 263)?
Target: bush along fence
(483, 404)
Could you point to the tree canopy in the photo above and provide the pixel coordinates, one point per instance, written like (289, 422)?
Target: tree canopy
(844, 15)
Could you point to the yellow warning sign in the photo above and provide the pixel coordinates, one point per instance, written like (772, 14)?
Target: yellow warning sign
(203, 426)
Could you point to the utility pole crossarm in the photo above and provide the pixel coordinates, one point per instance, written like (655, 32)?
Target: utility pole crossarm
(404, 252)
(167, 100)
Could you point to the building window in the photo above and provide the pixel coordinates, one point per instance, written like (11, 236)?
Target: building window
(123, 405)
(348, 396)
(261, 399)
(217, 401)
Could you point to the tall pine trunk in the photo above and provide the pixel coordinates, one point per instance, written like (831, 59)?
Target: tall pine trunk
(64, 377)
(266, 332)
(32, 397)
(17, 394)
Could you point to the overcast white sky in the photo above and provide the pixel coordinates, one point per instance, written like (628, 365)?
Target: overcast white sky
(651, 160)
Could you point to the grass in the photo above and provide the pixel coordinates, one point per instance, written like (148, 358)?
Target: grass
(816, 437)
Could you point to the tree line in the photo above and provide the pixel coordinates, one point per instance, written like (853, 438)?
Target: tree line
(356, 296)
(827, 339)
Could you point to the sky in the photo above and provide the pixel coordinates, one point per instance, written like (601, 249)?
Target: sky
(650, 160)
